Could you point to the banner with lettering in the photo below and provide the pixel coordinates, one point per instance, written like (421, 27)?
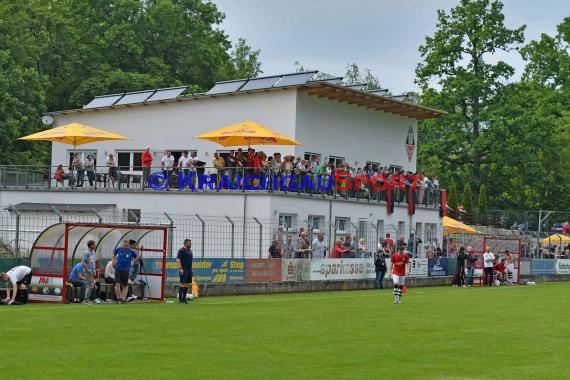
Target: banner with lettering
(342, 269)
(206, 271)
(46, 289)
(437, 267)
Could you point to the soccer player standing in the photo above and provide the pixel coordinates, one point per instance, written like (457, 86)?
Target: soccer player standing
(184, 261)
(400, 267)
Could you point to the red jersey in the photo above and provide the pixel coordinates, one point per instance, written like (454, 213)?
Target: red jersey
(500, 267)
(399, 263)
(146, 159)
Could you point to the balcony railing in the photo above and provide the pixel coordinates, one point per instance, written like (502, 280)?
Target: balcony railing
(210, 179)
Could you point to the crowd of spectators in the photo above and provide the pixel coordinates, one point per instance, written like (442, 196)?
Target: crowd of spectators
(255, 164)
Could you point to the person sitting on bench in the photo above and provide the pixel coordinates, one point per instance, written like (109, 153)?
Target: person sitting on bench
(19, 277)
(78, 279)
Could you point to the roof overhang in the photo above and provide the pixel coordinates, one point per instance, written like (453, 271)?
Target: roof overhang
(371, 101)
(62, 207)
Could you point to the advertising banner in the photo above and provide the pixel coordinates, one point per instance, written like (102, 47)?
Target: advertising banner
(419, 267)
(437, 267)
(563, 266)
(543, 266)
(342, 269)
(263, 270)
(46, 289)
(295, 270)
(206, 271)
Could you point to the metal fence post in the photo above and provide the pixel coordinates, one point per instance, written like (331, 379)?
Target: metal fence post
(97, 215)
(260, 237)
(203, 233)
(60, 216)
(171, 233)
(233, 234)
(17, 241)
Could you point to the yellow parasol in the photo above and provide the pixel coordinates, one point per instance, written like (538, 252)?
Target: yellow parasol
(247, 133)
(452, 226)
(556, 239)
(74, 134)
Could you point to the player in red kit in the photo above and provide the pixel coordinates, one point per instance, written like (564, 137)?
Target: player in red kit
(400, 267)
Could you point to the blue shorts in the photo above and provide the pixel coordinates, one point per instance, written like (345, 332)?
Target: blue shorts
(186, 277)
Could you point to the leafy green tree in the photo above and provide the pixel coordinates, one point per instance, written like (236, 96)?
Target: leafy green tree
(21, 105)
(482, 206)
(452, 196)
(468, 202)
(458, 77)
(245, 60)
(354, 75)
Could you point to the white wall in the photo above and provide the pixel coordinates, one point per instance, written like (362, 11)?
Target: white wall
(171, 126)
(356, 133)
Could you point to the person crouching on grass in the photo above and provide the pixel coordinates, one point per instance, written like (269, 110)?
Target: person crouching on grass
(400, 267)
(19, 277)
(122, 260)
(184, 262)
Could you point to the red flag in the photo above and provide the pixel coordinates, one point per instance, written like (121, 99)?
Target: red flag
(443, 205)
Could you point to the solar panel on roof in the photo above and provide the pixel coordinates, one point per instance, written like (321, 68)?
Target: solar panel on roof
(260, 83)
(295, 79)
(225, 87)
(103, 101)
(167, 94)
(135, 97)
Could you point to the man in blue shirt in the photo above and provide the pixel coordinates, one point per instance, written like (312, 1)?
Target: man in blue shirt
(122, 261)
(184, 261)
(77, 279)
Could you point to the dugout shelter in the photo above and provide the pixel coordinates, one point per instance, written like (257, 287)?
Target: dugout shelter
(59, 247)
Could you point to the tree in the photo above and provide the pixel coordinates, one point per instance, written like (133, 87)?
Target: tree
(457, 60)
(21, 105)
(354, 75)
(245, 60)
(482, 206)
(468, 201)
(548, 60)
(452, 196)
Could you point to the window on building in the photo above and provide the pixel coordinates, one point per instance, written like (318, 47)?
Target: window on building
(336, 161)
(311, 156)
(128, 161)
(401, 229)
(315, 223)
(374, 165)
(132, 215)
(341, 225)
(287, 221)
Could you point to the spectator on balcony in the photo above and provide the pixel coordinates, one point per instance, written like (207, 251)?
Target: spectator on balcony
(318, 247)
(257, 168)
(146, 162)
(566, 228)
(59, 175)
(90, 168)
(288, 168)
(167, 165)
(184, 168)
(275, 167)
(220, 166)
(231, 164)
(112, 169)
(241, 163)
(79, 168)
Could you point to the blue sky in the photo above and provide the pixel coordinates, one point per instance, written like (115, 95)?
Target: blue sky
(383, 35)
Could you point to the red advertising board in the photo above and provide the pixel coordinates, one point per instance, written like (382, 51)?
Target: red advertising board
(263, 270)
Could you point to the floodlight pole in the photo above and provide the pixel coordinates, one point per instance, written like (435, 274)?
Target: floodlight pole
(540, 220)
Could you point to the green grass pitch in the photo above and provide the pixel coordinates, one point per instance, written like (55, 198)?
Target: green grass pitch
(437, 333)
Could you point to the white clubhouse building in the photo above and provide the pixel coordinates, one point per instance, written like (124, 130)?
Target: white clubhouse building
(338, 124)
